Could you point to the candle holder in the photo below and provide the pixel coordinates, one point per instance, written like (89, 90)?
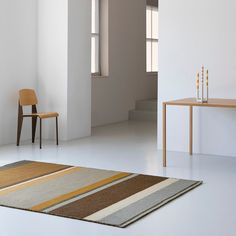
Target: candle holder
(201, 97)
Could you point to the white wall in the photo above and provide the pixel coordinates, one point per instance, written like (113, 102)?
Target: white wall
(127, 82)
(17, 62)
(53, 62)
(193, 33)
(79, 69)
(64, 65)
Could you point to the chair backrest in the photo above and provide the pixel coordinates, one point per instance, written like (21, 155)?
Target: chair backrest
(27, 97)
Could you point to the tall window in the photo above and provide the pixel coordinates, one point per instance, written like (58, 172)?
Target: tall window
(95, 64)
(152, 38)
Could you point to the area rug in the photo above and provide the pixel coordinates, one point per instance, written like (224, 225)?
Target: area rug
(101, 196)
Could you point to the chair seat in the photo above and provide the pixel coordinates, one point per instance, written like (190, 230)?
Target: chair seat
(44, 115)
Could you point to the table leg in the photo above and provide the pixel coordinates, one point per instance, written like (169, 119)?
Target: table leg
(191, 130)
(164, 134)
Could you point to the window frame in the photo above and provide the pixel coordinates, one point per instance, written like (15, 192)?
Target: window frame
(151, 40)
(94, 35)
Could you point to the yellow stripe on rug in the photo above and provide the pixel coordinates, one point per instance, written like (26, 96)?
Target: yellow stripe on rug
(38, 180)
(77, 192)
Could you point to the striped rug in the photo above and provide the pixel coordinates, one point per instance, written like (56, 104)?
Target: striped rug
(101, 196)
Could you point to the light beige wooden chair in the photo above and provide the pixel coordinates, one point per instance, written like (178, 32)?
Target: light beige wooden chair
(27, 97)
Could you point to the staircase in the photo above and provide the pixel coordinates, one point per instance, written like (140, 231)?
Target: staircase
(145, 110)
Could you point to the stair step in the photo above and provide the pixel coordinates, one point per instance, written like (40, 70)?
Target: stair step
(147, 105)
(141, 115)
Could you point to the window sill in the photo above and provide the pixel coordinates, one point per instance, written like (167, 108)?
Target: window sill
(152, 74)
(99, 76)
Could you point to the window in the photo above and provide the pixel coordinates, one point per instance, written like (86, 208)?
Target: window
(152, 39)
(95, 37)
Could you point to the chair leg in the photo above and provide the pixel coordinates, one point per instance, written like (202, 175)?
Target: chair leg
(19, 124)
(34, 125)
(40, 136)
(19, 128)
(57, 129)
(34, 122)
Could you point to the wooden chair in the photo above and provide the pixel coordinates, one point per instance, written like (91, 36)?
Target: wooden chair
(27, 97)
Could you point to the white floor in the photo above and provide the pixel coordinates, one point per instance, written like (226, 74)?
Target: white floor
(131, 146)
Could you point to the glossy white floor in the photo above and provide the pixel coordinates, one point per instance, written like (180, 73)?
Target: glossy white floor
(131, 146)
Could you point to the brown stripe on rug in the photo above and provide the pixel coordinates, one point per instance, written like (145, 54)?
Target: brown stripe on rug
(95, 202)
(18, 173)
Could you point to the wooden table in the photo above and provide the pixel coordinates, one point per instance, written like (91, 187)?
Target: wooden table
(191, 102)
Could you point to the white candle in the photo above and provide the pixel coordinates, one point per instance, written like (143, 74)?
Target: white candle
(202, 83)
(207, 78)
(197, 85)
(207, 83)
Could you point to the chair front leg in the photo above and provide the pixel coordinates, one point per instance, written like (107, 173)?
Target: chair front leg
(19, 124)
(34, 125)
(34, 122)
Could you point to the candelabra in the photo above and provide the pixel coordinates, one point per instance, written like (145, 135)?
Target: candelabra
(200, 96)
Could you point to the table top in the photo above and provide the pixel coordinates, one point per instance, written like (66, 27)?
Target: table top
(212, 102)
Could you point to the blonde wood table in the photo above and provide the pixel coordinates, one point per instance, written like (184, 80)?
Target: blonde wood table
(191, 102)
